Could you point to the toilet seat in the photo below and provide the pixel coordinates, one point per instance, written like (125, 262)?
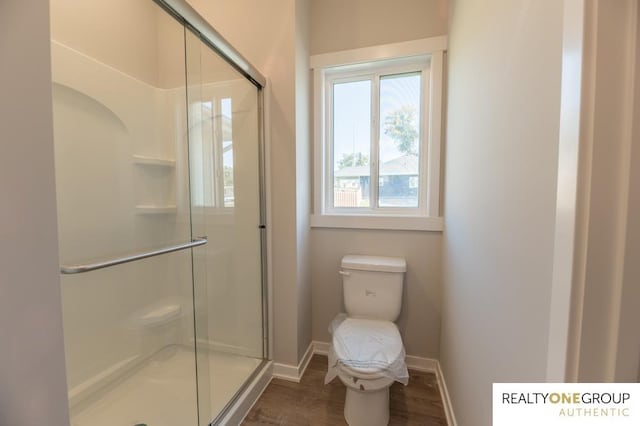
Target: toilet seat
(367, 349)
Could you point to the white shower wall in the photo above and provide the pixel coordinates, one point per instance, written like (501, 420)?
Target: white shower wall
(110, 202)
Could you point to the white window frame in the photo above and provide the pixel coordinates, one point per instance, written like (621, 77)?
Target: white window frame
(374, 72)
(377, 60)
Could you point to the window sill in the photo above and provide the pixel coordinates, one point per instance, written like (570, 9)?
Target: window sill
(396, 223)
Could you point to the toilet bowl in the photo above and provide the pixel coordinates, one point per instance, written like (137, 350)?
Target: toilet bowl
(371, 358)
(367, 353)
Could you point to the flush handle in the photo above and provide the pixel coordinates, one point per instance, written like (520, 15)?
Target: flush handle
(345, 273)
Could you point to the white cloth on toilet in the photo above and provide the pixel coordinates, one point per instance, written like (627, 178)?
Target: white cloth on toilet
(367, 347)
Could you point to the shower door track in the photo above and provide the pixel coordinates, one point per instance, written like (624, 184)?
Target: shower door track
(79, 269)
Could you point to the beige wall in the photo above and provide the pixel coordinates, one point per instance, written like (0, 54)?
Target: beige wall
(303, 172)
(609, 341)
(628, 344)
(339, 25)
(265, 33)
(628, 355)
(32, 389)
(501, 170)
(127, 23)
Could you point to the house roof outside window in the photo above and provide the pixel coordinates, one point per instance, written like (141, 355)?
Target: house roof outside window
(406, 165)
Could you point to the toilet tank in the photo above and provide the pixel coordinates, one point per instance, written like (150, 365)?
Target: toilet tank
(372, 286)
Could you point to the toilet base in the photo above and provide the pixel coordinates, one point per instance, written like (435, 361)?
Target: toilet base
(369, 408)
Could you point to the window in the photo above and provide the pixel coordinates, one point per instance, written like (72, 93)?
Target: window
(377, 136)
(375, 142)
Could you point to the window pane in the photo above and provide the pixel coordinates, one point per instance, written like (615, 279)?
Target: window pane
(351, 143)
(211, 148)
(201, 152)
(227, 152)
(399, 167)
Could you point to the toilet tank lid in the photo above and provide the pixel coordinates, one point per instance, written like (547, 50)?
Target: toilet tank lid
(374, 263)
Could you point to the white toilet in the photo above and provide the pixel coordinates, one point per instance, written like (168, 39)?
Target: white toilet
(367, 351)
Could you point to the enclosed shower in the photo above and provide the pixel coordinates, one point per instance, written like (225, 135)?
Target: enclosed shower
(158, 149)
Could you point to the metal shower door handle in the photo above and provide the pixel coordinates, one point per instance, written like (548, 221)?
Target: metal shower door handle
(79, 269)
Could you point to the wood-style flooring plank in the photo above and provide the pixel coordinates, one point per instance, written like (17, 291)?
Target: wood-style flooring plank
(311, 402)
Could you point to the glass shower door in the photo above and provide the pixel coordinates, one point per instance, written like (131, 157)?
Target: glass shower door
(122, 181)
(224, 137)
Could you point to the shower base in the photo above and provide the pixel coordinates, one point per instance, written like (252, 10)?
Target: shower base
(161, 391)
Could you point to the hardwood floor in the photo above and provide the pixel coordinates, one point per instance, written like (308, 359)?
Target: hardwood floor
(311, 402)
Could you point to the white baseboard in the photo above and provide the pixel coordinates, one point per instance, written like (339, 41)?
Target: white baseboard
(321, 348)
(243, 405)
(446, 400)
(286, 372)
(293, 373)
(433, 366)
(419, 363)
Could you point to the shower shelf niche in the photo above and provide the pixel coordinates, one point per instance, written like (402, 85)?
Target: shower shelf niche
(143, 160)
(156, 185)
